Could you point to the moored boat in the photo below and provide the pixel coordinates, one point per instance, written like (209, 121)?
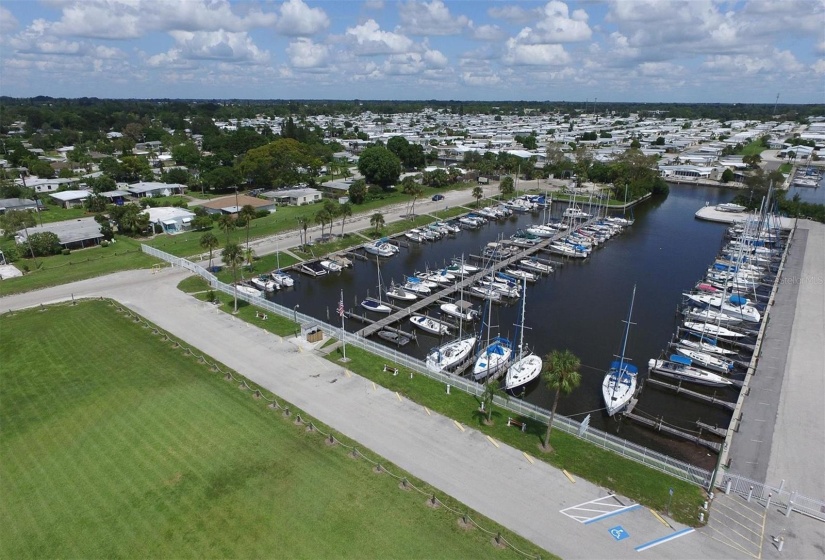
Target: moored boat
(681, 368)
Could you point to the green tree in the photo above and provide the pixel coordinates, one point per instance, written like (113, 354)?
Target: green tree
(560, 374)
(302, 228)
(379, 166)
(491, 389)
(15, 220)
(210, 242)
(377, 221)
(478, 194)
(358, 191)
(345, 211)
(284, 162)
(232, 256)
(220, 178)
(246, 214)
(44, 243)
(727, 175)
(226, 222)
(186, 154)
(130, 219)
(410, 187)
(322, 218)
(507, 186)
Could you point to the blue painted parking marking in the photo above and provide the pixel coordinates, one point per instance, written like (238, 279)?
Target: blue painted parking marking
(612, 513)
(619, 533)
(665, 539)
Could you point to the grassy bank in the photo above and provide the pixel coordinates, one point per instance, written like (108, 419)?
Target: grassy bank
(159, 457)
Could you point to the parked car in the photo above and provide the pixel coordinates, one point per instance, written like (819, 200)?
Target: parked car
(437, 197)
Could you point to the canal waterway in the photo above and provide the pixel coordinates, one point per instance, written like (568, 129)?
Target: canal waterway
(580, 307)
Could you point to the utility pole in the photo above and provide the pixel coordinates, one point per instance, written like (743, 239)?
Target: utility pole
(775, 103)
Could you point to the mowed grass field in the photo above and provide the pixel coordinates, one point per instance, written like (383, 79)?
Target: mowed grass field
(115, 444)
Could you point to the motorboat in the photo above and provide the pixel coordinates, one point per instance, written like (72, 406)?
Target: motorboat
(462, 269)
(520, 274)
(281, 278)
(712, 330)
(535, 265)
(730, 207)
(430, 325)
(461, 310)
(575, 213)
(399, 293)
(450, 355)
(681, 368)
(711, 316)
(414, 236)
(484, 292)
(415, 285)
(435, 278)
(468, 222)
(382, 248)
(394, 337)
(264, 284)
(331, 265)
(248, 290)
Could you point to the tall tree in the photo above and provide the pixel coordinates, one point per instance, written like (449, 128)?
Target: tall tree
(410, 187)
(377, 221)
(478, 194)
(227, 223)
(322, 218)
(379, 166)
(210, 242)
(560, 374)
(247, 214)
(491, 389)
(507, 186)
(345, 211)
(15, 220)
(232, 256)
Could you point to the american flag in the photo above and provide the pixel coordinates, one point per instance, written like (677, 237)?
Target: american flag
(341, 305)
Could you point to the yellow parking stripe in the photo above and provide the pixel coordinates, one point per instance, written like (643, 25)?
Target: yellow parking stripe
(494, 442)
(569, 476)
(459, 426)
(526, 456)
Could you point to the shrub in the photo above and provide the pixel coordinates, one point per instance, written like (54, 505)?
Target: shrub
(104, 243)
(66, 251)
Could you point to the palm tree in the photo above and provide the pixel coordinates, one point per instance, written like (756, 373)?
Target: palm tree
(491, 389)
(247, 214)
(478, 194)
(323, 218)
(227, 223)
(232, 256)
(209, 241)
(302, 224)
(377, 221)
(507, 187)
(560, 374)
(345, 211)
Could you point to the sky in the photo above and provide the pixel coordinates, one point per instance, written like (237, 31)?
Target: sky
(597, 50)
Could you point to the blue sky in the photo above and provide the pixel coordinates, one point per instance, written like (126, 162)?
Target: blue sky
(610, 50)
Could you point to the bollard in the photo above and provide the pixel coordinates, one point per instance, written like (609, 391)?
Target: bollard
(781, 485)
(768, 503)
(727, 487)
(448, 388)
(411, 374)
(750, 493)
(781, 544)
(701, 517)
(705, 507)
(790, 504)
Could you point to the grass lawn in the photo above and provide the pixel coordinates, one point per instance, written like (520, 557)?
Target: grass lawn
(785, 168)
(647, 486)
(752, 148)
(125, 254)
(159, 457)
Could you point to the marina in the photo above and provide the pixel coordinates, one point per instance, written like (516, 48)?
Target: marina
(568, 308)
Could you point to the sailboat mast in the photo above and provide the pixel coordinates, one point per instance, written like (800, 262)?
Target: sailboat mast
(627, 329)
(521, 324)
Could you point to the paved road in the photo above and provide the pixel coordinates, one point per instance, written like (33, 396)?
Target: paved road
(498, 481)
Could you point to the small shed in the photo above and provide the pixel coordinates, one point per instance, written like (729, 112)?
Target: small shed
(171, 219)
(70, 199)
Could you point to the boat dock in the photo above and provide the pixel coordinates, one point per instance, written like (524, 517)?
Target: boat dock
(660, 426)
(693, 394)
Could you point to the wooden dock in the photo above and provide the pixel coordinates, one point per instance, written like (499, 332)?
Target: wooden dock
(692, 394)
(659, 426)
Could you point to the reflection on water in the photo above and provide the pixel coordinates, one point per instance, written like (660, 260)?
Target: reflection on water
(580, 307)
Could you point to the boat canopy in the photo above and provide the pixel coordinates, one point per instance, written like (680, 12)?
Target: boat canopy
(413, 280)
(626, 367)
(507, 277)
(680, 359)
(738, 300)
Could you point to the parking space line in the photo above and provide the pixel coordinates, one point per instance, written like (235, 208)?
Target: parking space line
(660, 518)
(494, 442)
(457, 425)
(526, 456)
(612, 513)
(569, 476)
(662, 540)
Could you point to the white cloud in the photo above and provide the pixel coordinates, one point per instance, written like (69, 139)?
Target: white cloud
(819, 66)
(474, 79)
(535, 55)
(8, 23)
(783, 61)
(488, 33)
(660, 70)
(513, 14)
(557, 25)
(299, 19)
(303, 53)
(129, 19)
(820, 48)
(430, 18)
(370, 40)
(210, 45)
(374, 5)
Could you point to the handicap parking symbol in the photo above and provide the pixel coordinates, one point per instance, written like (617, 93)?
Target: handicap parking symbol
(619, 533)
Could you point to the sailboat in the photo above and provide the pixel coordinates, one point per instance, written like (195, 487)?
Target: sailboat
(526, 367)
(495, 356)
(454, 353)
(619, 384)
(376, 305)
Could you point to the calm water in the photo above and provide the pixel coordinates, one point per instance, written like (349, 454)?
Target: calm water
(581, 307)
(808, 194)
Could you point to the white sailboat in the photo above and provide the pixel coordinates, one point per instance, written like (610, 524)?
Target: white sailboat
(526, 367)
(619, 384)
(681, 368)
(373, 304)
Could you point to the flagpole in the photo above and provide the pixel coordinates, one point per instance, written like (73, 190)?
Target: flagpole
(343, 331)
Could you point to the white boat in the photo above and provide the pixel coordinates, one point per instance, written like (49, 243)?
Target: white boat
(331, 266)
(492, 359)
(505, 290)
(568, 250)
(527, 365)
(248, 290)
(381, 248)
(520, 274)
(681, 368)
(283, 279)
(712, 330)
(708, 361)
(710, 316)
(264, 284)
(541, 231)
(575, 213)
(619, 385)
(376, 306)
(462, 269)
(423, 280)
(416, 286)
(730, 207)
(484, 292)
(707, 345)
(535, 265)
(430, 325)
(450, 355)
(459, 311)
(399, 293)
(469, 222)
(415, 237)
